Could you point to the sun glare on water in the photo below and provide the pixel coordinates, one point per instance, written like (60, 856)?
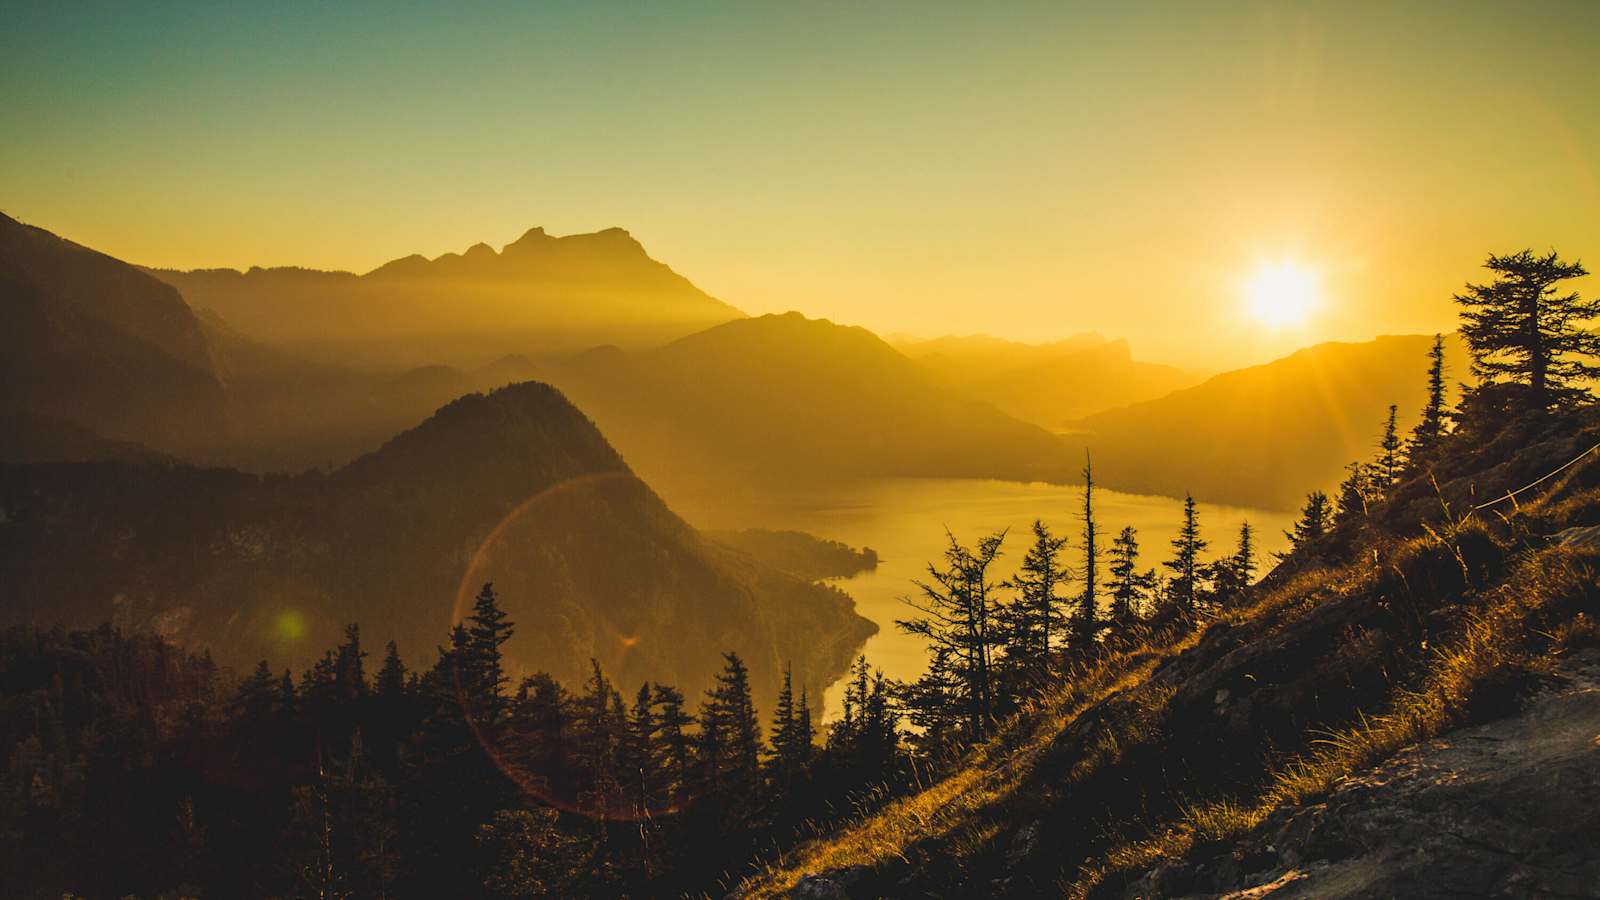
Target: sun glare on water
(1282, 294)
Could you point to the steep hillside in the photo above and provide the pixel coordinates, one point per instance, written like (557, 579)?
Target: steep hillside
(94, 342)
(1292, 424)
(1149, 765)
(538, 293)
(790, 398)
(515, 487)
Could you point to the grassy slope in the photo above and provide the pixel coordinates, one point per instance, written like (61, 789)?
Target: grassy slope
(1151, 754)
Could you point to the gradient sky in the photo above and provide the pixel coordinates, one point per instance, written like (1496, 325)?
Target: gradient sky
(1029, 171)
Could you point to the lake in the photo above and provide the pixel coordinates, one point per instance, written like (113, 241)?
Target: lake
(904, 520)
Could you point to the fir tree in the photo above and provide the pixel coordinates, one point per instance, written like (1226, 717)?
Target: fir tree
(1232, 574)
(1389, 459)
(1311, 526)
(1428, 434)
(959, 615)
(731, 734)
(1033, 621)
(1086, 624)
(790, 747)
(349, 668)
(673, 746)
(1129, 588)
(392, 676)
(1183, 590)
(1354, 495)
(1517, 327)
(488, 629)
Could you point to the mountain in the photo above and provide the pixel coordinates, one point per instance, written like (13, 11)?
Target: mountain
(95, 343)
(1403, 709)
(1072, 385)
(538, 293)
(786, 399)
(970, 358)
(1265, 435)
(291, 412)
(515, 487)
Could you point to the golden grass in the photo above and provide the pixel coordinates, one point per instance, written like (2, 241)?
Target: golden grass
(992, 771)
(1492, 643)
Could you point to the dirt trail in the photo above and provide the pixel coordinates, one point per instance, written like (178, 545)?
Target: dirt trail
(1510, 808)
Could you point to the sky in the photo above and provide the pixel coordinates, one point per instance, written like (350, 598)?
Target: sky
(1024, 170)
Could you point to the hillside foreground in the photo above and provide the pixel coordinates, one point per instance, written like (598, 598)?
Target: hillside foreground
(1169, 766)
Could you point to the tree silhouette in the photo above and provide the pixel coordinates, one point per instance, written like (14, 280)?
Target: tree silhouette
(487, 630)
(1518, 327)
(1085, 624)
(1129, 588)
(1428, 434)
(1183, 591)
(1033, 622)
(959, 608)
(1312, 524)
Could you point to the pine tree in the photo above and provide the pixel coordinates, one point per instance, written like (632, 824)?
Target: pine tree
(789, 751)
(959, 615)
(1183, 590)
(599, 734)
(1428, 434)
(392, 677)
(1033, 621)
(349, 668)
(1232, 574)
(673, 746)
(1129, 588)
(637, 761)
(1354, 495)
(731, 735)
(1244, 558)
(805, 734)
(1086, 624)
(488, 629)
(1311, 526)
(257, 695)
(1389, 459)
(1518, 327)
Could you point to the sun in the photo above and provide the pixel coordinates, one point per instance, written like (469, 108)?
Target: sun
(1282, 294)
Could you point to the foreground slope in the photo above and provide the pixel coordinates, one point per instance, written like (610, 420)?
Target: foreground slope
(538, 293)
(1153, 757)
(93, 344)
(516, 487)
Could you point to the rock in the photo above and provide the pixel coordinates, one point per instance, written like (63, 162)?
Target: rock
(1586, 538)
(833, 885)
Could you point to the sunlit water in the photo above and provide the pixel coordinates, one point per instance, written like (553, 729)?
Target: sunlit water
(904, 519)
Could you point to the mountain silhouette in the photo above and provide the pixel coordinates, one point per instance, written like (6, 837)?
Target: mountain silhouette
(95, 343)
(515, 487)
(538, 293)
(786, 398)
(1079, 383)
(1265, 435)
(969, 358)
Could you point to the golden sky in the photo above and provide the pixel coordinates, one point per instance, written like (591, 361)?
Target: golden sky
(1030, 171)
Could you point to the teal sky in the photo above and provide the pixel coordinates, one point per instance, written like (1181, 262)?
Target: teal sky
(1026, 170)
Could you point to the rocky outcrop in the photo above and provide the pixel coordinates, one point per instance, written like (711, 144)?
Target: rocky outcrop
(1503, 809)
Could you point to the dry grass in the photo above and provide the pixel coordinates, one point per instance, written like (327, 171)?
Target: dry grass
(1493, 644)
(957, 817)
(949, 809)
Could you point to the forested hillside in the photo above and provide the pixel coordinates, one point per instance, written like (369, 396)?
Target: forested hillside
(514, 487)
